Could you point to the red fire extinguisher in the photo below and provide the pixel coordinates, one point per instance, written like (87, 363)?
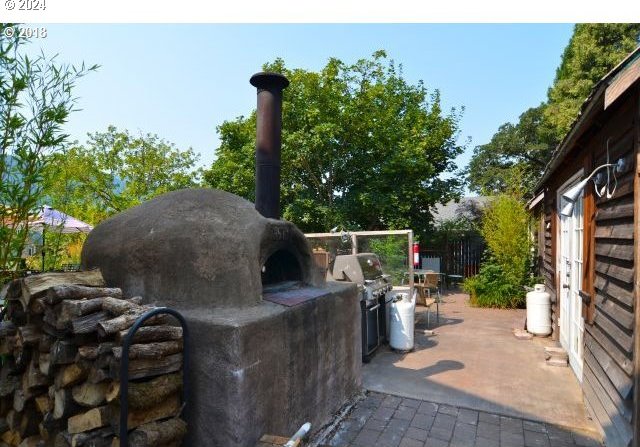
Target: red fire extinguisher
(416, 255)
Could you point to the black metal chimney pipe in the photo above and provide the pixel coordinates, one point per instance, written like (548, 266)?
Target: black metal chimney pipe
(268, 141)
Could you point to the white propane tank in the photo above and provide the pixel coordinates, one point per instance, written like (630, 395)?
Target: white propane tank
(539, 311)
(402, 318)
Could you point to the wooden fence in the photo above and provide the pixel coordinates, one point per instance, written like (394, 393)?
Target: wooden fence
(458, 257)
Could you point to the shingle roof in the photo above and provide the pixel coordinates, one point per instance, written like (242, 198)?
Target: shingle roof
(453, 209)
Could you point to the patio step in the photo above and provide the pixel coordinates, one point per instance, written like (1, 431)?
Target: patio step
(556, 356)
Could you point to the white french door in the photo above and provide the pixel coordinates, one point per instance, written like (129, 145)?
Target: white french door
(571, 259)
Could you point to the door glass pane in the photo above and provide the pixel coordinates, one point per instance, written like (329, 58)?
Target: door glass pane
(571, 255)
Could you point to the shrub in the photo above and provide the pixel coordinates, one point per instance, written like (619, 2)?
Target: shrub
(493, 288)
(505, 228)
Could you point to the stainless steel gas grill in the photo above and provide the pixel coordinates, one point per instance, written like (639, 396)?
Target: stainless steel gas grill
(365, 270)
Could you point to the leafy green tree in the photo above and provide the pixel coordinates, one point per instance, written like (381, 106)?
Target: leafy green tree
(114, 171)
(594, 49)
(35, 102)
(516, 155)
(519, 152)
(362, 148)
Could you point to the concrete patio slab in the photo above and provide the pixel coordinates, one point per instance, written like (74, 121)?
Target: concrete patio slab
(474, 361)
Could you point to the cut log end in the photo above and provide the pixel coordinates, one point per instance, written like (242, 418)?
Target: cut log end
(157, 433)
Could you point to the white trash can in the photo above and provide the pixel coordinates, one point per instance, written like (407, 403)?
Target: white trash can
(402, 323)
(539, 311)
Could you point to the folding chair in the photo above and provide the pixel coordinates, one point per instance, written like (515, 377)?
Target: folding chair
(430, 284)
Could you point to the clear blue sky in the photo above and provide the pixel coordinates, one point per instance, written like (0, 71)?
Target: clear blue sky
(181, 81)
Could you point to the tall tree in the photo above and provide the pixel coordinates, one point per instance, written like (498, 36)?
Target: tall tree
(518, 153)
(362, 148)
(115, 170)
(594, 49)
(515, 156)
(35, 102)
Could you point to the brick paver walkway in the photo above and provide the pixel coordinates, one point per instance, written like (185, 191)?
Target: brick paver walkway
(382, 420)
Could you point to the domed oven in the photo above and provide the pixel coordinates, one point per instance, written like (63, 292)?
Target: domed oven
(273, 345)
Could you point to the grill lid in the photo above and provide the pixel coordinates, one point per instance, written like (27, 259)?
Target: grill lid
(359, 268)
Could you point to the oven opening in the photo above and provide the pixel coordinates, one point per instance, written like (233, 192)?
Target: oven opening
(281, 269)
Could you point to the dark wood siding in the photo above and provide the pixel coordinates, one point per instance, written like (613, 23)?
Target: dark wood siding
(608, 372)
(548, 259)
(636, 219)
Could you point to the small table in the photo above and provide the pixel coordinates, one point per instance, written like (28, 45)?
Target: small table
(454, 278)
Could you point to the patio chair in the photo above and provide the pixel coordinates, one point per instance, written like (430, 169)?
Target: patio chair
(429, 285)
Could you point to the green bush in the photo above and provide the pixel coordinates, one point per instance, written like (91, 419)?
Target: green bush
(505, 228)
(492, 287)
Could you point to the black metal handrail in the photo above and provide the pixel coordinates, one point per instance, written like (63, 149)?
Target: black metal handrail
(124, 366)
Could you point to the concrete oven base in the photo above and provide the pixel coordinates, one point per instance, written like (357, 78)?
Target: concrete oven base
(267, 369)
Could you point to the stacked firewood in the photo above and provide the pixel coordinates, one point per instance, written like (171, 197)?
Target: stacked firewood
(61, 346)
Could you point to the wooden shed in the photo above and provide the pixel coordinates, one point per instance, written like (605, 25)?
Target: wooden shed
(589, 249)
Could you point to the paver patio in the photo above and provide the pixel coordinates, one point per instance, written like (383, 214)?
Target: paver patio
(382, 420)
(472, 379)
(474, 361)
